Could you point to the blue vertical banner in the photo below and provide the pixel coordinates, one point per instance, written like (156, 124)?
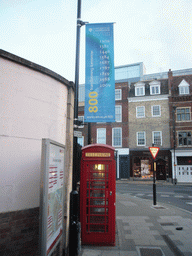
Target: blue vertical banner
(99, 73)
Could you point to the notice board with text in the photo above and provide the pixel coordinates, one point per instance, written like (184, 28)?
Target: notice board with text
(51, 195)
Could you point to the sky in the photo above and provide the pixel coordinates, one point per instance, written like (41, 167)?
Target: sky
(155, 32)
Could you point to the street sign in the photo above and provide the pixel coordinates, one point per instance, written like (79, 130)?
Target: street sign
(154, 151)
(77, 134)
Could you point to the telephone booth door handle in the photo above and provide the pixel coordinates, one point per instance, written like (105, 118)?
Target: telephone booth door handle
(110, 193)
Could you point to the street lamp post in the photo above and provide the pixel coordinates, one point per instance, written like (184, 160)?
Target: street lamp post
(80, 23)
(74, 241)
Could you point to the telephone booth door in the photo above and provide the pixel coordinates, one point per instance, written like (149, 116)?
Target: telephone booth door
(97, 195)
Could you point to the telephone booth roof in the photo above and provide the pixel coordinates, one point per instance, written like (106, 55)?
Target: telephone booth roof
(97, 146)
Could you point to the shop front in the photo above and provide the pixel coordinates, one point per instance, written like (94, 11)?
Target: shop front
(142, 168)
(141, 165)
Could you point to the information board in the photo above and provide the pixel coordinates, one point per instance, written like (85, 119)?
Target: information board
(99, 74)
(51, 205)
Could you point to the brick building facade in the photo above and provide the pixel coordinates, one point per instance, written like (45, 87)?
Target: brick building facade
(180, 102)
(146, 106)
(149, 125)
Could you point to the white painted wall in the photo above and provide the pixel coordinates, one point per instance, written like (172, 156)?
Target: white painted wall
(33, 106)
(182, 173)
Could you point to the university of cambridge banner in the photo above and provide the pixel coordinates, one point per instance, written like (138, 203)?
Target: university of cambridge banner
(99, 73)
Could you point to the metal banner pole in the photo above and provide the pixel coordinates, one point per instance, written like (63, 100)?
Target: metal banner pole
(73, 236)
(76, 92)
(74, 241)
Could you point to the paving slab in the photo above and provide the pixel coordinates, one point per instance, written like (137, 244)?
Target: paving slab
(144, 230)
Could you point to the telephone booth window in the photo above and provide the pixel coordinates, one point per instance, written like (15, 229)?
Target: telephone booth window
(97, 201)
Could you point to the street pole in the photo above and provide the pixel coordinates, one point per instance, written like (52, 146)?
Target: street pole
(75, 228)
(75, 162)
(89, 133)
(75, 157)
(154, 151)
(154, 182)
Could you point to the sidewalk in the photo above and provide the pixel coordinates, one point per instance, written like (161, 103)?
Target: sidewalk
(145, 230)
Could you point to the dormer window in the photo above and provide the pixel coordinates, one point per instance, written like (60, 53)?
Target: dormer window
(139, 89)
(155, 87)
(183, 87)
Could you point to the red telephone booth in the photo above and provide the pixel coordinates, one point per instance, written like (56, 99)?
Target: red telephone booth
(97, 195)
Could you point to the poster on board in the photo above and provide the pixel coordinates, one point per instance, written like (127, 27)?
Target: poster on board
(51, 205)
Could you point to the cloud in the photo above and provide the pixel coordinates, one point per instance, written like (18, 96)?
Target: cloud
(156, 32)
(174, 30)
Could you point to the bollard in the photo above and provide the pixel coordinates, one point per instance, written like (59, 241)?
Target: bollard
(75, 227)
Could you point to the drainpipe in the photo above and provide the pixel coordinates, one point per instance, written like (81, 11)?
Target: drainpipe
(174, 146)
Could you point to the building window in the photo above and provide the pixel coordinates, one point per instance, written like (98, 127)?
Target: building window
(154, 88)
(118, 94)
(184, 138)
(183, 114)
(140, 138)
(81, 92)
(156, 110)
(157, 138)
(183, 88)
(140, 112)
(118, 113)
(101, 135)
(184, 160)
(81, 118)
(81, 141)
(139, 91)
(117, 137)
